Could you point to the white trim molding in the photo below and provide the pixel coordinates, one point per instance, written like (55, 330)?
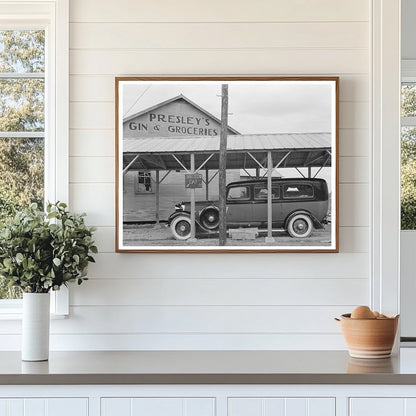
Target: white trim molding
(385, 259)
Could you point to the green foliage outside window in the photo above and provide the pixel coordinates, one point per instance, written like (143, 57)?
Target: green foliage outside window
(408, 160)
(21, 110)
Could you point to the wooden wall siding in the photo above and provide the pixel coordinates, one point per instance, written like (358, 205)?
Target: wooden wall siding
(259, 301)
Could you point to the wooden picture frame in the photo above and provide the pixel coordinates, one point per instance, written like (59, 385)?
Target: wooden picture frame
(278, 140)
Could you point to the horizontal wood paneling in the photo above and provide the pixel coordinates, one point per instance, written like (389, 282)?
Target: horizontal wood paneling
(221, 35)
(354, 142)
(217, 291)
(218, 11)
(100, 169)
(299, 61)
(213, 301)
(99, 88)
(200, 319)
(96, 199)
(145, 342)
(354, 170)
(230, 266)
(95, 143)
(354, 205)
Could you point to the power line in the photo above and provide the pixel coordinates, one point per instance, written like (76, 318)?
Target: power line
(138, 98)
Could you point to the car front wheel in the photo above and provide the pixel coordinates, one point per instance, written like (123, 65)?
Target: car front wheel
(181, 227)
(300, 226)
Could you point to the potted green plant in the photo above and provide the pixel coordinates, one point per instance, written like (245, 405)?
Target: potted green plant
(39, 252)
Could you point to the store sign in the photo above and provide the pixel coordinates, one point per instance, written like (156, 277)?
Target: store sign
(174, 124)
(193, 180)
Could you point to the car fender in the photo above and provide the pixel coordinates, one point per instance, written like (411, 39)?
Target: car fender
(316, 223)
(187, 214)
(176, 214)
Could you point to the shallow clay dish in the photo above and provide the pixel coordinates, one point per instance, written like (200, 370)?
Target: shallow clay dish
(369, 338)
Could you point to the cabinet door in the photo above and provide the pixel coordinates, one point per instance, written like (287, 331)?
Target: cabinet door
(44, 407)
(382, 406)
(281, 406)
(155, 406)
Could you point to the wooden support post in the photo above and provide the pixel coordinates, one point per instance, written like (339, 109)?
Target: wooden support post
(257, 173)
(269, 238)
(223, 167)
(157, 195)
(192, 238)
(309, 172)
(206, 184)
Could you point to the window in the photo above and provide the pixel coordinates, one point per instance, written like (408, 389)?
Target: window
(144, 182)
(260, 192)
(238, 193)
(33, 111)
(297, 191)
(22, 124)
(408, 155)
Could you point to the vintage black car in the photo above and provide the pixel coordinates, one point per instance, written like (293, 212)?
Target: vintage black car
(298, 206)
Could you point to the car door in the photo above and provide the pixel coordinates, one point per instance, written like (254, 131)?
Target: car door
(260, 204)
(239, 206)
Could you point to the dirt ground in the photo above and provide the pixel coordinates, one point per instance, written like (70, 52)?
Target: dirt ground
(160, 235)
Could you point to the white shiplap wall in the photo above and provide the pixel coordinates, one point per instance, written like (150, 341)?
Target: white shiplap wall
(168, 301)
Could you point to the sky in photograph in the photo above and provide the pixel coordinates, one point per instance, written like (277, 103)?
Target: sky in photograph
(254, 108)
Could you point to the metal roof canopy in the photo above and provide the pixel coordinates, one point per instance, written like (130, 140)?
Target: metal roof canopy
(289, 150)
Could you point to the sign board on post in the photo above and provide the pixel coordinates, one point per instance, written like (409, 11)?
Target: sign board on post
(193, 180)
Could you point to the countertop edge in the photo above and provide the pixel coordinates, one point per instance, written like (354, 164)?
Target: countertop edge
(129, 379)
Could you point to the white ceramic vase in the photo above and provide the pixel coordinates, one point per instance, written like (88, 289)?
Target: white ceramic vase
(35, 326)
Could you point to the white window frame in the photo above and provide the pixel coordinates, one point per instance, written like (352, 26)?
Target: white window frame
(53, 17)
(385, 183)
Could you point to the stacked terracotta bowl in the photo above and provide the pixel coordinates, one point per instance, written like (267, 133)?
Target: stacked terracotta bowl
(369, 334)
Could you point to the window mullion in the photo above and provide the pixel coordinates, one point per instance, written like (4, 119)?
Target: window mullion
(22, 75)
(408, 121)
(22, 134)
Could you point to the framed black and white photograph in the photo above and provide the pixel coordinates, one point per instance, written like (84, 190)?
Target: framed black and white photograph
(227, 164)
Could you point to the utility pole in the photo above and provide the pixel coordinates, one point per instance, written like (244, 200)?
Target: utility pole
(223, 166)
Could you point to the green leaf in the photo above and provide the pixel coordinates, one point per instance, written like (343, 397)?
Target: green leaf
(56, 261)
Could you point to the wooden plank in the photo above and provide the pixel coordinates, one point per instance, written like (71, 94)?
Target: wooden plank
(217, 292)
(377, 407)
(100, 88)
(99, 169)
(92, 143)
(95, 199)
(221, 35)
(236, 62)
(354, 205)
(68, 407)
(354, 142)
(342, 265)
(143, 342)
(218, 11)
(200, 319)
(354, 115)
(111, 406)
(354, 169)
